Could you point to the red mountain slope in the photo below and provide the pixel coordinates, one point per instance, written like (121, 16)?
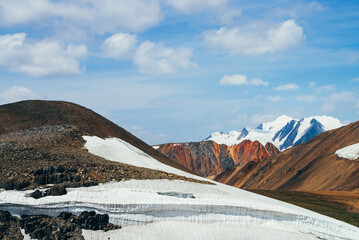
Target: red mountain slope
(208, 158)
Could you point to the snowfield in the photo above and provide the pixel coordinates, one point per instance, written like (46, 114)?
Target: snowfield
(351, 152)
(189, 230)
(173, 209)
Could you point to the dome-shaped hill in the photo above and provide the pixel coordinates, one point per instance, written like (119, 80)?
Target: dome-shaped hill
(36, 113)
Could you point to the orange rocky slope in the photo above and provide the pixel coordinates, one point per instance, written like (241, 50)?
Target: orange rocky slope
(311, 166)
(208, 158)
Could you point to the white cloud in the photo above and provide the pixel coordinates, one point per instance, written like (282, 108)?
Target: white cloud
(250, 40)
(119, 46)
(299, 9)
(325, 88)
(190, 6)
(155, 58)
(340, 100)
(225, 13)
(344, 96)
(355, 79)
(239, 79)
(99, 16)
(236, 79)
(353, 56)
(40, 58)
(312, 84)
(258, 82)
(274, 98)
(17, 93)
(287, 87)
(306, 98)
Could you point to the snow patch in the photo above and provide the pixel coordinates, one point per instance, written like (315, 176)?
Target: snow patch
(26, 236)
(351, 152)
(118, 150)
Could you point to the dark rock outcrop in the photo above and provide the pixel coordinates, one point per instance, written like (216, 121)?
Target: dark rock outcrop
(64, 226)
(56, 190)
(50, 228)
(9, 227)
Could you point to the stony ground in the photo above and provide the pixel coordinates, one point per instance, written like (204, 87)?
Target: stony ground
(64, 226)
(39, 156)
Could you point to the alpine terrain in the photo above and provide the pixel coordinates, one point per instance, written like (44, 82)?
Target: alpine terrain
(221, 152)
(327, 162)
(284, 132)
(68, 173)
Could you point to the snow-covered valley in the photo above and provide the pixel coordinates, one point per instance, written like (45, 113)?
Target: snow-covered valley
(145, 211)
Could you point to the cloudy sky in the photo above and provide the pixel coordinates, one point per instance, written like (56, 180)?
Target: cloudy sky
(178, 70)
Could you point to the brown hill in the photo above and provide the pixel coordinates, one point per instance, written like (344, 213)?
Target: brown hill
(208, 158)
(311, 166)
(36, 113)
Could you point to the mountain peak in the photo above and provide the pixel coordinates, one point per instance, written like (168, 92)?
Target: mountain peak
(284, 132)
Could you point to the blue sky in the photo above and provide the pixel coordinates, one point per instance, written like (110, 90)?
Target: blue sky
(174, 71)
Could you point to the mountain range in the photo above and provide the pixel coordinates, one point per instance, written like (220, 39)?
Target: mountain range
(327, 162)
(284, 132)
(68, 173)
(221, 152)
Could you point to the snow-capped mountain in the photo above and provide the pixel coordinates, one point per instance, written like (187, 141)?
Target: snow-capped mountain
(284, 132)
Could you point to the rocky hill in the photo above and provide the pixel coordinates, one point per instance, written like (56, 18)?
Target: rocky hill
(42, 152)
(209, 158)
(35, 113)
(310, 166)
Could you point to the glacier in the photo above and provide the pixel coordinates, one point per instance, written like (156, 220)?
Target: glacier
(217, 211)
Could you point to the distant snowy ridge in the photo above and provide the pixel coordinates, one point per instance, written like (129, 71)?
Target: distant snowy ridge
(351, 152)
(284, 132)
